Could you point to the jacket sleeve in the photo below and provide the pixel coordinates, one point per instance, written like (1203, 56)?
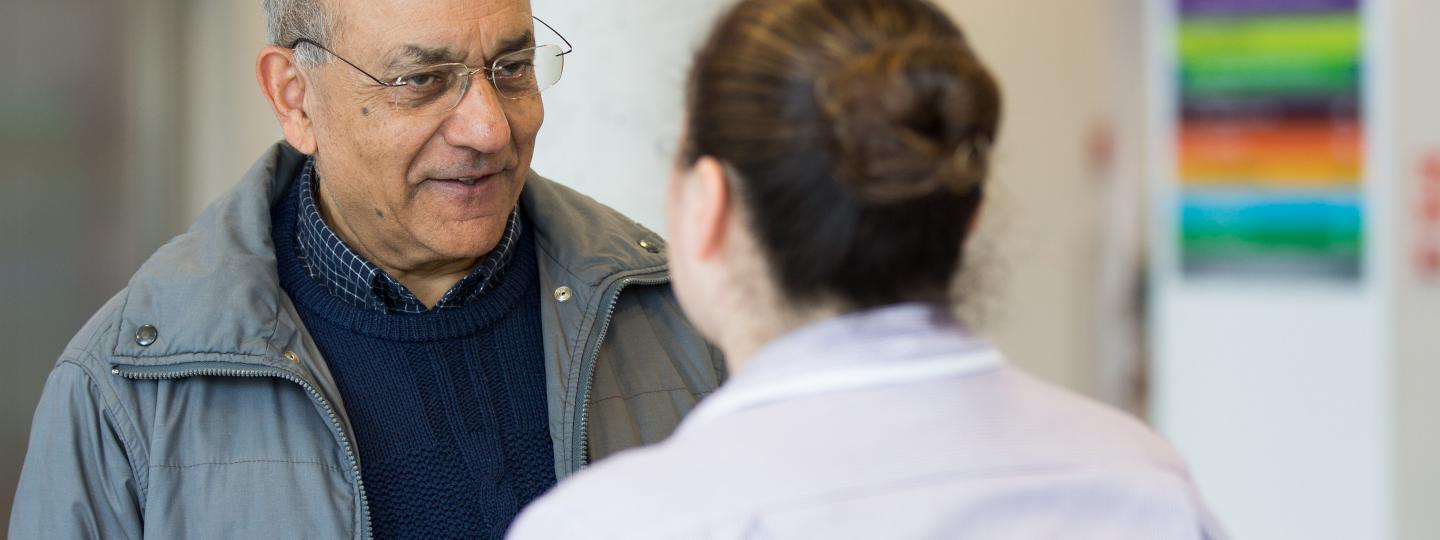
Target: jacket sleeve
(77, 481)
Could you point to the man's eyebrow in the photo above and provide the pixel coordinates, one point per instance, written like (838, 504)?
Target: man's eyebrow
(522, 41)
(416, 55)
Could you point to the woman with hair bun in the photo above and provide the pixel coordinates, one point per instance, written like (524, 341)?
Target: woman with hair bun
(834, 162)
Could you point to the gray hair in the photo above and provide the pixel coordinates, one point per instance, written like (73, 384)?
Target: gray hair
(289, 20)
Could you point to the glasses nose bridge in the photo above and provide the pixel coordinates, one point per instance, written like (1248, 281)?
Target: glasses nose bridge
(483, 71)
(467, 83)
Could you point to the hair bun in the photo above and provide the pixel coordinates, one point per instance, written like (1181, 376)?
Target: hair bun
(910, 119)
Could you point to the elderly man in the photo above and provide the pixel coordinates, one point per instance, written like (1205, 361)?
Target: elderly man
(391, 327)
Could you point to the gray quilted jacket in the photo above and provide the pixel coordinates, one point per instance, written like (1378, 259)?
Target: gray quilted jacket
(195, 404)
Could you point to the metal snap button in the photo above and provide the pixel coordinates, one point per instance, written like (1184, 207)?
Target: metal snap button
(291, 356)
(564, 294)
(652, 247)
(146, 336)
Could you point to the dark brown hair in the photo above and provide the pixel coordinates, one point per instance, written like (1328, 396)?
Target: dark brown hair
(858, 136)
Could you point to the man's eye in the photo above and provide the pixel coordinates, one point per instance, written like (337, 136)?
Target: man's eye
(511, 70)
(424, 80)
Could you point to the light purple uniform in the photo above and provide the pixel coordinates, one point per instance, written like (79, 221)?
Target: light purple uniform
(890, 424)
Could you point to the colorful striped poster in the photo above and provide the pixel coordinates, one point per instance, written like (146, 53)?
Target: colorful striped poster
(1270, 143)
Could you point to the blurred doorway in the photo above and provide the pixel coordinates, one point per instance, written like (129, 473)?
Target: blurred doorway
(89, 182)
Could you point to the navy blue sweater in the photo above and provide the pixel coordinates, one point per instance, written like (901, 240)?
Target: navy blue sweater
(448, 407)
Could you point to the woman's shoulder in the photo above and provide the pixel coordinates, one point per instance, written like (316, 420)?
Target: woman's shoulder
(1013, 409)
(1077, 425)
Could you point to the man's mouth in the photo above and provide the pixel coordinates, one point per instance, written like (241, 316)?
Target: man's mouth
(468, 180)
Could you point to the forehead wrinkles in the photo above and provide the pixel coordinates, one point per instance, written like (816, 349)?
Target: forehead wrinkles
(419, 55)
(383, 28)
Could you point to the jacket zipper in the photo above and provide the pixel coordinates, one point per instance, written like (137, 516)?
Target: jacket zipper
(280, 374)
(587, 380)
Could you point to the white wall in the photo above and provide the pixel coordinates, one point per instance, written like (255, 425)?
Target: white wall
(612, 122)
(228, 123)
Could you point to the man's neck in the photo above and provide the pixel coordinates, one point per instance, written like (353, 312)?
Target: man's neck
(426, 276)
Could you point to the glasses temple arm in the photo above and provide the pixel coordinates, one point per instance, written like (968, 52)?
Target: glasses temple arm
(377, 80)
(568, 47)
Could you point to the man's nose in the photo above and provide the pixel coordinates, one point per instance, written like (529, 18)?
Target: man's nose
(479, 121)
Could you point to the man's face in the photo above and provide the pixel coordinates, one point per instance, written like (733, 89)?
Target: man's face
(391, 181)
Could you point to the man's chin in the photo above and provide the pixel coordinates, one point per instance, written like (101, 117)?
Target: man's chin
(456, 244)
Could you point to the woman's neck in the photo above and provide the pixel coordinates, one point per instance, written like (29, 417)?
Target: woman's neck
(747, 335)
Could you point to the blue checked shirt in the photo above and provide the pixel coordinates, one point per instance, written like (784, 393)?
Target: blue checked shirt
(347, 275)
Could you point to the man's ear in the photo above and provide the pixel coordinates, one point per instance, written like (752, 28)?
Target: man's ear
(285, 85)
(714, 207)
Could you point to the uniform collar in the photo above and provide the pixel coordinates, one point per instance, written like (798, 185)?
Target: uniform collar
(880, 347)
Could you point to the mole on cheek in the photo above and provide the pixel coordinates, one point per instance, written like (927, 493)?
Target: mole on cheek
(365, 111)
(379, 214)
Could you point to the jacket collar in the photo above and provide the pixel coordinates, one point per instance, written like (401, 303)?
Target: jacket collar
(213, 293)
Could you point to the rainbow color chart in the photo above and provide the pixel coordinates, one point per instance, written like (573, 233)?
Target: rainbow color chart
(1270, 144)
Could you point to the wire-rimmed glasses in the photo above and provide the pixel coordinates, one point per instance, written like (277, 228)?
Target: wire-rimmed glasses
(439, 88)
